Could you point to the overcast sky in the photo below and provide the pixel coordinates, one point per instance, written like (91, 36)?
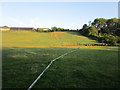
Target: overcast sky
(70, 15)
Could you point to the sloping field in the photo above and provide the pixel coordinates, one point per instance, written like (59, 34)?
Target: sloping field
(35, 39)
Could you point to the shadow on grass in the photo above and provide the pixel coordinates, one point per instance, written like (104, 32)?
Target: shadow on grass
(79, 34)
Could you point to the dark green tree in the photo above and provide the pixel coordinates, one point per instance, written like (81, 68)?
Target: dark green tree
(39, 30)
(54, 28)
(112, 25)
(92, 31)
(85, 29)
(99, 23)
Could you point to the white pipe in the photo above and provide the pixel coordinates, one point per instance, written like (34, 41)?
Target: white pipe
(30, 87)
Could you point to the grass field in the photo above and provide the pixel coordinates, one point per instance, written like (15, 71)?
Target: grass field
(35, 39)
(85, 68)
(23, 60)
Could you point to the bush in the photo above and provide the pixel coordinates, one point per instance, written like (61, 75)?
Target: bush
(109, 39)
(118, 39)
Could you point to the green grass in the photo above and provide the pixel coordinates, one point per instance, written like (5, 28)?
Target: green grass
(22, 65)
(85, 68)
(25, 54)
(35, 39)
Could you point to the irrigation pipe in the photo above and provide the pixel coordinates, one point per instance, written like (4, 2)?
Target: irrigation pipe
(40, 75)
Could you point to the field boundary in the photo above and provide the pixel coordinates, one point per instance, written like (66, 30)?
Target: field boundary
(40, 75)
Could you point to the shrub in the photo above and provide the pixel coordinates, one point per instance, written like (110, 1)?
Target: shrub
(110, 39)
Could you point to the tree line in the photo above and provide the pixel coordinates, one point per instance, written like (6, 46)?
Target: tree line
(103, 30)
(54, 29)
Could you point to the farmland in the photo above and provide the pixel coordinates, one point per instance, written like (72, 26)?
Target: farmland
(26, 54)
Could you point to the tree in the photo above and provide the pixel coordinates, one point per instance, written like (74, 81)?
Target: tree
(112, 25)
(57, 29)
(85, 29)
(90, 23)
(60, 29)
(92, 31)
(99, 23)
(110, 39)
(85, 26)
(54, 28)
(89, 31)
(104, 30)
(109, 26)
(39, 30)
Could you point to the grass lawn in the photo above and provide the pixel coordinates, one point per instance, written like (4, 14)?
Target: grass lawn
(85, 68)
(22, 65)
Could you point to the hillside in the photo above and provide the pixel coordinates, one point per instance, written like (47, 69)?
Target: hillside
(51, 39)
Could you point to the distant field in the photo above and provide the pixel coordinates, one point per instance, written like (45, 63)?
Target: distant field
(35, 39)
(85, 68)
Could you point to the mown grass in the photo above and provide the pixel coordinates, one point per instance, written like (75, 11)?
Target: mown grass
(35, 39)
(22, 65)
(85, 68)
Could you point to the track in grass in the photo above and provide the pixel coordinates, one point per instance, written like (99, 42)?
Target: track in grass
(30, 87)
